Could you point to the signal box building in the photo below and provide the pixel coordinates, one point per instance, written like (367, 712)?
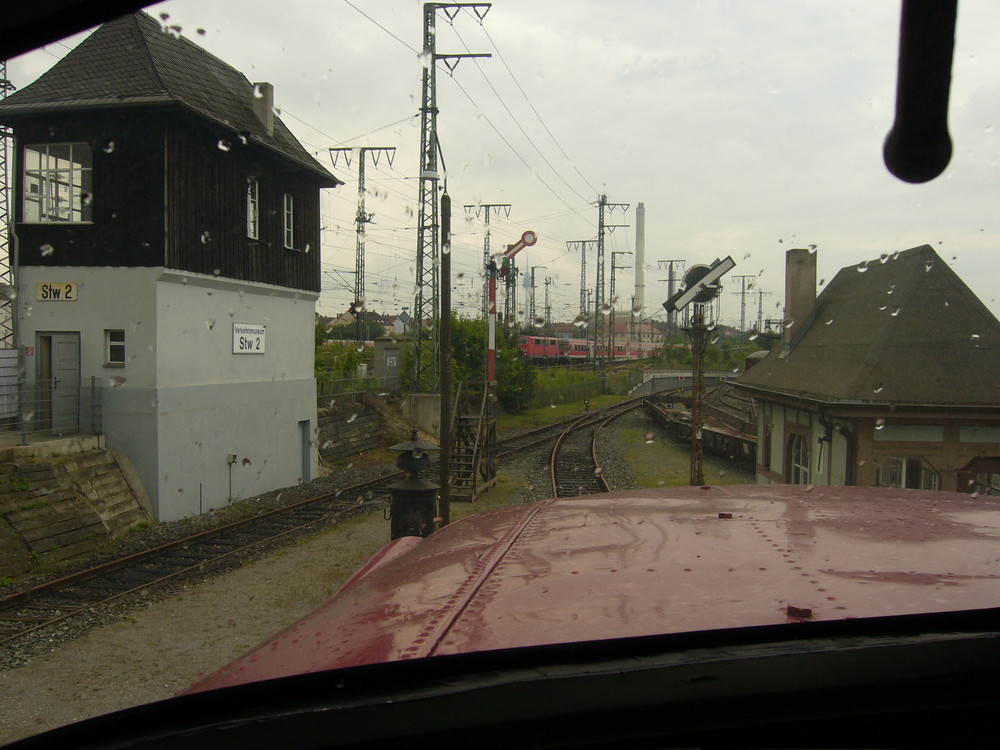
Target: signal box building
(890, 378)
(168, 245)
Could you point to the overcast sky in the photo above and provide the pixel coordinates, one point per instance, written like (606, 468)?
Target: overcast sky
(745, 128)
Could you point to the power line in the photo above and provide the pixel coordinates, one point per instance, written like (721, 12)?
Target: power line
(517, 122)
(540, 120)
(405, 44)
(511, 147)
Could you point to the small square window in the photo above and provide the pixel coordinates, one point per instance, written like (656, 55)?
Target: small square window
(114, 347)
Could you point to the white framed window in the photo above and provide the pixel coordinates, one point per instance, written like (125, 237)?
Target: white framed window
(987, 483)
(289, 223)
(907, 472)
(798, 459)
(58, 182)
(114, 347)
(253, 211)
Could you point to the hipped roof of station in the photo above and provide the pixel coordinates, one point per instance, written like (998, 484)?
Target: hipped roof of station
(133, 61)
(902, 329)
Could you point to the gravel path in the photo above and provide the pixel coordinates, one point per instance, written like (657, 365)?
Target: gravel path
(151, 647)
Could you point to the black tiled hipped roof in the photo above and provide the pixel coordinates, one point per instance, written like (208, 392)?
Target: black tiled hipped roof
(903, 329)
(133, 61)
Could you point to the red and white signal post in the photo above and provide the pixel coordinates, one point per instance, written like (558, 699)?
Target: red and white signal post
(528, 239)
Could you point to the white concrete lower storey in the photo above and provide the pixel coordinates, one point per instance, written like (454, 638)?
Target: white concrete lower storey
(202, 446)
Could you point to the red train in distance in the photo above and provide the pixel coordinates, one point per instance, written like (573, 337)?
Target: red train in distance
(550, 350)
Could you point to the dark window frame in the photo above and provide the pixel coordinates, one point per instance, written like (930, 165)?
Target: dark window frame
(50, 179)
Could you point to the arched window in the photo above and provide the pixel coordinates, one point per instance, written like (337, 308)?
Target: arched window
(797, 465)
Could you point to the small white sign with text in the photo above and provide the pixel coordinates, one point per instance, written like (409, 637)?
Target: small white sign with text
(248, 338)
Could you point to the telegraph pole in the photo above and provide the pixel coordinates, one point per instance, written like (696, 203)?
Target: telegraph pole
(743, 299)
(486, 209)
(426, 302)
(363, 218)
(600, 338)
(614, 299)
(582, 246)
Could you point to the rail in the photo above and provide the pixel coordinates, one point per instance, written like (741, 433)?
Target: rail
(55, 601)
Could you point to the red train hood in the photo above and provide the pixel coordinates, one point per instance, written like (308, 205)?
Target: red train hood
(648, 562)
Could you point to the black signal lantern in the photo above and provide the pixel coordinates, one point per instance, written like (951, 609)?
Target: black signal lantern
(412, 505)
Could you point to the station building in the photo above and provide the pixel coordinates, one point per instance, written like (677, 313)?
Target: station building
(168, 251)
(890, 377)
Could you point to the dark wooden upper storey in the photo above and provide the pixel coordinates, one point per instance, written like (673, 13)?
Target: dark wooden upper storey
(141, 149)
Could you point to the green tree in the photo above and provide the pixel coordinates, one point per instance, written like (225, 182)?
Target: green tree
(515, 375)
(516, 381)
(345, 332)
(337, 361)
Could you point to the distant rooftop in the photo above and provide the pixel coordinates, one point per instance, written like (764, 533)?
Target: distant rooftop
(901, 329)
(133, 61)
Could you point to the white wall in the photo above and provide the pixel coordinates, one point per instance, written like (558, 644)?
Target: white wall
(195, 335)
(184, 400)
(107, 298)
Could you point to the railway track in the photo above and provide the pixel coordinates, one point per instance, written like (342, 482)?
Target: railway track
(573, 464)
(55, 601)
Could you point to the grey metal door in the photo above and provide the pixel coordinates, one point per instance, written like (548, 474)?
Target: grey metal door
(61, 374)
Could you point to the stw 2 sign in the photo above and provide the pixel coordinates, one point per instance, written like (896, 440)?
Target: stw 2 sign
(248, 338)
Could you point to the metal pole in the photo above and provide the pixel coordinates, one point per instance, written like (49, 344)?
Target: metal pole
(426, 301)
(8, 262)
(698, 333)
(491, 345)
(425, 304)
(444, 498)
(359, 257)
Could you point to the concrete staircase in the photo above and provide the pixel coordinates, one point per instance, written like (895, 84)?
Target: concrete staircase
(55, 509)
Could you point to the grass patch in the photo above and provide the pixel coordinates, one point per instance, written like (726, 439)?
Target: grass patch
(506, 491)
(654, 459)
(555, 412)
(657, 460)
(18, 484)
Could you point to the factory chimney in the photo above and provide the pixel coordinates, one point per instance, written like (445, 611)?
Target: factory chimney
(640, 261)
(800, 294)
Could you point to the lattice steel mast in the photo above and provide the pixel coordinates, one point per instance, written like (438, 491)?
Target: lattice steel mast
(487, 208)
(510, 295)
(611, 314)
(582, 246)
(671, 288)
(362, 219)
(8, 316)
(760, 309)
(743, 298)
(600, 329)
(548, 307)
(426, 302)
